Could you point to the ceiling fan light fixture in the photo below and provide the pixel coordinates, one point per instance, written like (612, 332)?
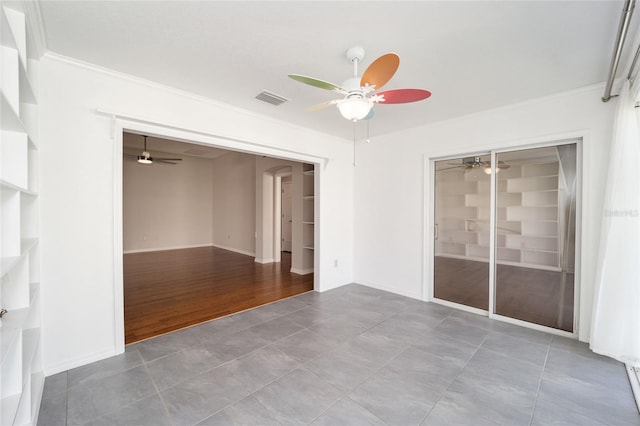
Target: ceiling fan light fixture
(487, 169)
(145, 158)
(355, 108)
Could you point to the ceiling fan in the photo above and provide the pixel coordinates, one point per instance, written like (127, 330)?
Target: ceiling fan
(472, 163)
(146, 158)
(361, 93)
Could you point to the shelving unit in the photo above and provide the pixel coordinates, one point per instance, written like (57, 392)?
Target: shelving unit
(308, 216)
(21, 373)
(526, 208)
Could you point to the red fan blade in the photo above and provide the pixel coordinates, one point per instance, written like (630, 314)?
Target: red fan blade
(403, 96)
(380, 71)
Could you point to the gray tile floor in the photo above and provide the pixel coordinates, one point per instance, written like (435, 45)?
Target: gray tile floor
(350, 356)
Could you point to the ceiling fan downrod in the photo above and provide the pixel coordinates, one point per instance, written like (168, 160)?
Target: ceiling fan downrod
(355, 55)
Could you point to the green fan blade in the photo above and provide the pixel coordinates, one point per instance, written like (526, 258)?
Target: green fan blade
(316, 83)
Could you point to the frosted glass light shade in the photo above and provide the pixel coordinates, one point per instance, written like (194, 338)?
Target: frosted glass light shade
(354, 109)
(145, 158)
(487, 169)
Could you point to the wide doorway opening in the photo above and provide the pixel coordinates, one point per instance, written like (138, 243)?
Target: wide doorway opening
(505, 234)
(202, 233)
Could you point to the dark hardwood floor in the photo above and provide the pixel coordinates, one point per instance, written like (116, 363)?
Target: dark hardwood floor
(528, 294)
(172, 289)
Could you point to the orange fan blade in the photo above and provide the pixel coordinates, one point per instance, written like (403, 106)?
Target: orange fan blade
(380, 71)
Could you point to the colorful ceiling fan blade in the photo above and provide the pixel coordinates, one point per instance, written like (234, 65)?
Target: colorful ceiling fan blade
(380, 71)
(322, 105)
(317, 83)
(403, 96)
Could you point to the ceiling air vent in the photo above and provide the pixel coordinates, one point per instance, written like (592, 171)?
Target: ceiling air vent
(271, 98)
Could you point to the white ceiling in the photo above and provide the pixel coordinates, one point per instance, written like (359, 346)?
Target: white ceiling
(472, 55)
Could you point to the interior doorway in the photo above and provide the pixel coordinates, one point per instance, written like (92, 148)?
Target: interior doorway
(189, 244)
(505, 234)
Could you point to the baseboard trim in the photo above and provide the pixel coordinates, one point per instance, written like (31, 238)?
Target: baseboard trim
(391, 290)
(264, 260)
(78, 362)
(235, 250)
(166, 248)
(301, 271)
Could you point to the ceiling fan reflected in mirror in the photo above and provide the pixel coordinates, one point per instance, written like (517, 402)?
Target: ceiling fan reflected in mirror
(362, 93)
(145, 157)
(474, 163)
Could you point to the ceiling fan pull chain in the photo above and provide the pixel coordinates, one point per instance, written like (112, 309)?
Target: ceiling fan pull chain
(354, 144)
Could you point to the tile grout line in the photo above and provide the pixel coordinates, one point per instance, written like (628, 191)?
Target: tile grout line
(365, 408)
(139, 399)
(544, 366)
(155, 386)
(346, 394)
(454, 379)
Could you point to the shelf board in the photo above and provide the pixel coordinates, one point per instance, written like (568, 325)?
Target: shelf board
(308, 197)
(8, 185)
(7, 263)
(10, 118)
(27, 244)
(27, 94)
(309, 172)
(308, 223)
(308, 248)
(13, 320)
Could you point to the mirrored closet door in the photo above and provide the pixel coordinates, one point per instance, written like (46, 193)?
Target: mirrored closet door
(531, 232)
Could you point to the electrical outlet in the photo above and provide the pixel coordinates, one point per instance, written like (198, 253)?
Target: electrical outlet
(335, 263)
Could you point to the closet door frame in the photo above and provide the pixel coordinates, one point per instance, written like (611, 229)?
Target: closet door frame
(429, 231)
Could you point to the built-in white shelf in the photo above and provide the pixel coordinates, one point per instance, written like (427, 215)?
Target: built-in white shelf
(308, 216)
(20, 356)
(527, 213)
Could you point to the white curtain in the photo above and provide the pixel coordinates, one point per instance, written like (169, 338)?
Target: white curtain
(615, 330)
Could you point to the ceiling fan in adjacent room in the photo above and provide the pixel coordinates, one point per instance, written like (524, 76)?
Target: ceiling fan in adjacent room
(362, 93)
(473, 163)
(145, 157)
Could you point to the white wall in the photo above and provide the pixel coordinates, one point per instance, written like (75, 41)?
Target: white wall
(167, 206)
(392, 185)
(79, 315)
(234, 202)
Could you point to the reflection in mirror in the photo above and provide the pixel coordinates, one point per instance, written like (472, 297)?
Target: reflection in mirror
(535, 235)
(462, 207)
